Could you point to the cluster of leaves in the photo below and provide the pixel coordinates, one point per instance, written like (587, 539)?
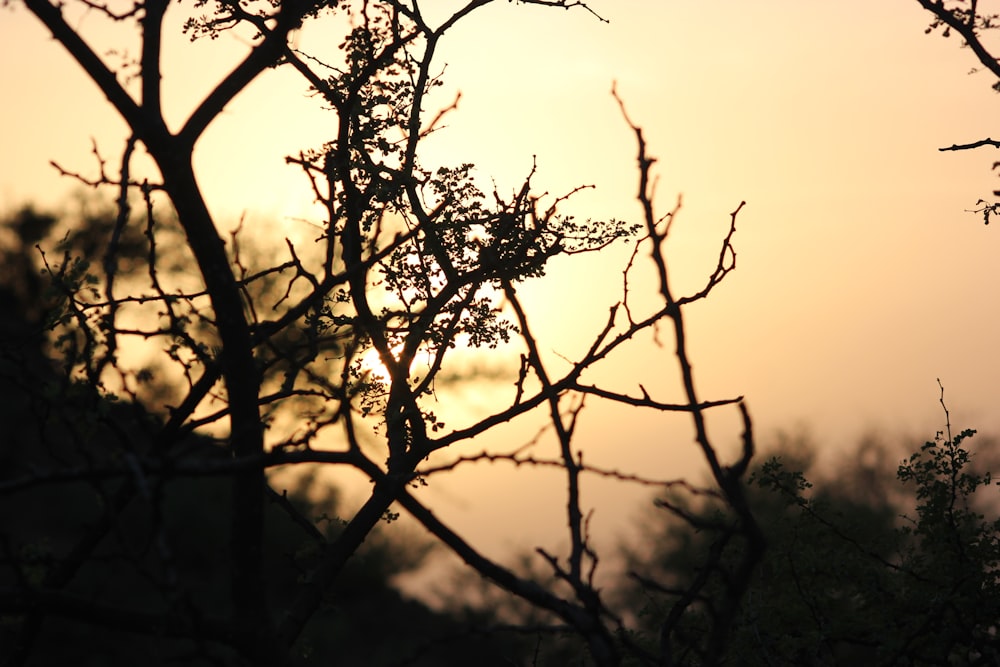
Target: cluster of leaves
(951, 558)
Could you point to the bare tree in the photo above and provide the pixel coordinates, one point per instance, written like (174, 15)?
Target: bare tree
(413, 262)
(972, 23)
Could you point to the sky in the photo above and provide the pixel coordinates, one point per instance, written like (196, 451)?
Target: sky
(861, 277)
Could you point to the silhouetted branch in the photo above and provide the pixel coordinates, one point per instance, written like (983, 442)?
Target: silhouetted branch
(975, 144)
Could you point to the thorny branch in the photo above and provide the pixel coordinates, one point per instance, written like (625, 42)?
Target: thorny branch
(728, 478)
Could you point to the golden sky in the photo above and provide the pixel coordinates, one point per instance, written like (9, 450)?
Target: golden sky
(861, 278)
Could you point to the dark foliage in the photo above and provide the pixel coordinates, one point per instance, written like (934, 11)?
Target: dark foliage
(845, 579)
(154, 543)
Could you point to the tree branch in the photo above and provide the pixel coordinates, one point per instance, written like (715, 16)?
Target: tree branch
(975, 144)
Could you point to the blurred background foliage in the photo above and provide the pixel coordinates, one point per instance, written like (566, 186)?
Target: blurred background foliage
(887, 558)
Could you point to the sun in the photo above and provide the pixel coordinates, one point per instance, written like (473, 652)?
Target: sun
(370, 363)
(372, 366)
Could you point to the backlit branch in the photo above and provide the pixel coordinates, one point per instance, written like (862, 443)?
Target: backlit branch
(975, 144)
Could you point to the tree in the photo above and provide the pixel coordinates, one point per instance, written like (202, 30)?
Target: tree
(906, 575)
(412, 262)
(124, 537)
(968, 21)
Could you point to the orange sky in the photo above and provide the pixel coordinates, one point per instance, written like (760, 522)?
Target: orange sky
(860, 277)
